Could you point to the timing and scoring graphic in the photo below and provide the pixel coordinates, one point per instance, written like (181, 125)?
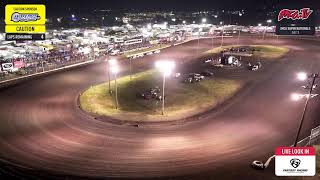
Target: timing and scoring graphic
(25, 21)
(295, 161)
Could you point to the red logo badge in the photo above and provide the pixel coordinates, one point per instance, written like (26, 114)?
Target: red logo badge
(301, 14)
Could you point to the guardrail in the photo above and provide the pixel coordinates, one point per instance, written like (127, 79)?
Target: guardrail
(16, 80)
(48, 71)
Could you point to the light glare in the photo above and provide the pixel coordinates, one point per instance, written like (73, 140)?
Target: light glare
(295, 96)
(165, 67)
(115, 69)
(112, 62)
(302, 76)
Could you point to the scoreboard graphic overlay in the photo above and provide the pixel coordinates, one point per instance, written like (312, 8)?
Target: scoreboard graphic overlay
(25, 21)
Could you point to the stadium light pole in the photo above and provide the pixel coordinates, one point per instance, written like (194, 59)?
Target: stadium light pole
(115, 70)
(238, 40)
(130, 67)
(269, 21)
(221, 23)
(111, 63)
(204, 20)
(303, 76)
(264, 32)
(239, 33)
(200, 29)
(212, 40)
(165, 67)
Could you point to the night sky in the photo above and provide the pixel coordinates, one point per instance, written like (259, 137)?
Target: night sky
(59, 6)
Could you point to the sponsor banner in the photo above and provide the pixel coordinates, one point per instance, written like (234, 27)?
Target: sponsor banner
(19, 64)
(295, 161)
(25, 28)
(7, 66)
(25, 14)
(295, 21)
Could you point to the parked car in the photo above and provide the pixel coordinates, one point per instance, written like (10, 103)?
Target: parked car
(196, 76)
(236, 63)
(139, 55)
(146, 96)
(159, 97)
(115, 52)
(218, 65)
(155, 90)
(151, 93)
(149, 53)
(188, 80)
(242, 49)
(193, 77)
(176, 75)
(207, 73)
(259, 64)
(254, 68)
(207, 60)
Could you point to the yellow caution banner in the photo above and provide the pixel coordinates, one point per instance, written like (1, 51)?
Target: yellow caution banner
(25, 29)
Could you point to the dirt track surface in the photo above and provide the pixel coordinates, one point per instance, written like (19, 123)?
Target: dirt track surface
(42, 128)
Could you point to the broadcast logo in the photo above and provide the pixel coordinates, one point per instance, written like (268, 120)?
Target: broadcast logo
(295, 161)
(295, 21)
(303, 14)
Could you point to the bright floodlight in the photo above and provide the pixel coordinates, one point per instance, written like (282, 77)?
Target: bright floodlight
(295, 96)
(259, 24)
(73, 16)
(112, 62)
(204, 20)
(165, 67)
(114, 69)
(269, 21)
(302, 76)
(183, 22)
